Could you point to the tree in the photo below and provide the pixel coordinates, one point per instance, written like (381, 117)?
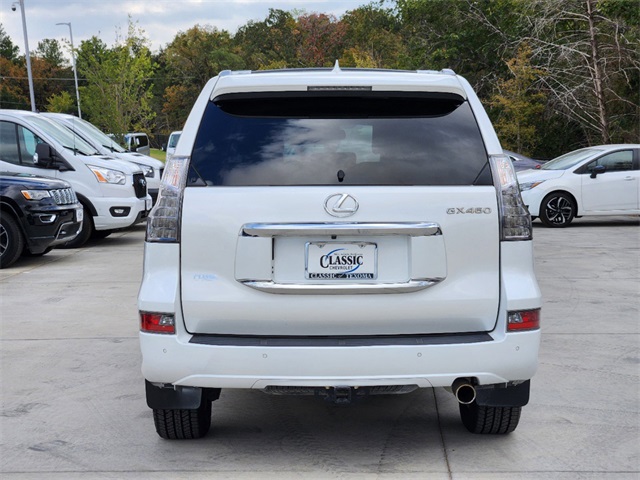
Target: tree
(201, 53)
(373, 38)
(61, 103)
(519, 104)
(178, 100)
(14, 89)
(589, 53)
(47, 67)
(270, 43)
(50, 74)
(194, 57)
(319, 40)
(469, 36)
(118, 91)
(49, 50)
(7, 49)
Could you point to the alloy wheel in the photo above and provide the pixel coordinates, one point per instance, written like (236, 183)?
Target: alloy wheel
(559, 210)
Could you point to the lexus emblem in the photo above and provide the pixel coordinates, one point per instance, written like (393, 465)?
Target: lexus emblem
(341, 205)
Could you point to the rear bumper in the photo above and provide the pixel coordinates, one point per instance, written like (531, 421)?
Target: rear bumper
(172, 359)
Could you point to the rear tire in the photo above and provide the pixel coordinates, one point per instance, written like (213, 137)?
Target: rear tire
(182, 424)
(11, 241)
(557, 210)
(489, 420)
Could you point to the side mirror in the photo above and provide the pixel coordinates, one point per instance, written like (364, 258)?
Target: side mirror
(597, 170)
(43, 156)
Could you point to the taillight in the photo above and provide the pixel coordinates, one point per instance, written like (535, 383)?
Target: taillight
(157, 322)
(522, 320)
(163, 224)
(515, 221)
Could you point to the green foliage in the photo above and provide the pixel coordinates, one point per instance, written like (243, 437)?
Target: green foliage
(178, 100)
(373, 39)
(61, 103)
(201, 53)
(518, 104)
(470, 37)
(194, 57)
(270, 43)
(554, 74)
(50, 51)
(7, 49)
(47, 63)
(118, 91)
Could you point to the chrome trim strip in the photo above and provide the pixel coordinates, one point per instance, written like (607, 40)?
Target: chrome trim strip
(341, 289)
(417, 229)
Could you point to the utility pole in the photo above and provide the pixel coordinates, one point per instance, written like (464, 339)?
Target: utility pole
(26, 48)
(73, 62)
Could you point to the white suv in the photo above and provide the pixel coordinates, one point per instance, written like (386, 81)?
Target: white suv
(342, 233)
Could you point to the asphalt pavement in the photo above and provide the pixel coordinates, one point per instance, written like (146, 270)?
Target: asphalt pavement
(73, 407)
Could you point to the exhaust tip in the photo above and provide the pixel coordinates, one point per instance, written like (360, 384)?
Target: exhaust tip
(464, 391)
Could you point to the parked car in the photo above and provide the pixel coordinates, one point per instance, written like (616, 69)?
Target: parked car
(36, 213)
(338, 232)
(138, 142)
(601, 180)
(112, 192)
(172, 143)
(520, 162)
(105, 145)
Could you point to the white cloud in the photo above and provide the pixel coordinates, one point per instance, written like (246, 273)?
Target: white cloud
(160, 19)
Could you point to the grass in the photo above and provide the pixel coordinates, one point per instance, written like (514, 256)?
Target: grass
(158, 154)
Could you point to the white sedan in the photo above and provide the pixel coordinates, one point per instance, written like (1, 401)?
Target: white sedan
(602, 180)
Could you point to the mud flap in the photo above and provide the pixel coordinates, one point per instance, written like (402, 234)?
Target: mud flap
(178, 398)
(508, 395)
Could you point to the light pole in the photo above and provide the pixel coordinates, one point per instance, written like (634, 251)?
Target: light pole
(26, 48)
(73, 62)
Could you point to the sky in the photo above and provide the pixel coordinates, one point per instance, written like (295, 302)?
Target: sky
(160, 19)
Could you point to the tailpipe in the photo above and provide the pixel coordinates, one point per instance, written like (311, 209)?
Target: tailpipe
(464, 391)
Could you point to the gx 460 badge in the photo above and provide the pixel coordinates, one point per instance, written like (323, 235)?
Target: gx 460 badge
(474, 211)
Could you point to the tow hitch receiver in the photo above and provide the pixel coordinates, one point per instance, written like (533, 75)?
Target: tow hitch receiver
(340, 395)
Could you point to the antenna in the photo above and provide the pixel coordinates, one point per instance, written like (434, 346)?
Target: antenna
(336, 67)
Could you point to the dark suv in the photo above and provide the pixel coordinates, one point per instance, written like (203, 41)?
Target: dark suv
(36, 213)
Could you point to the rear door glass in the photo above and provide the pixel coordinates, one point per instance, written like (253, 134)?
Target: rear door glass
(312, 139)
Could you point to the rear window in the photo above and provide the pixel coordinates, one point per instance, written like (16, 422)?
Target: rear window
(369, 138)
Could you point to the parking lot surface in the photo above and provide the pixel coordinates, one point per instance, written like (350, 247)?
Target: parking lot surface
(73, 404)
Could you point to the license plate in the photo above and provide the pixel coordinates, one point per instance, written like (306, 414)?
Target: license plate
(341, 261)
